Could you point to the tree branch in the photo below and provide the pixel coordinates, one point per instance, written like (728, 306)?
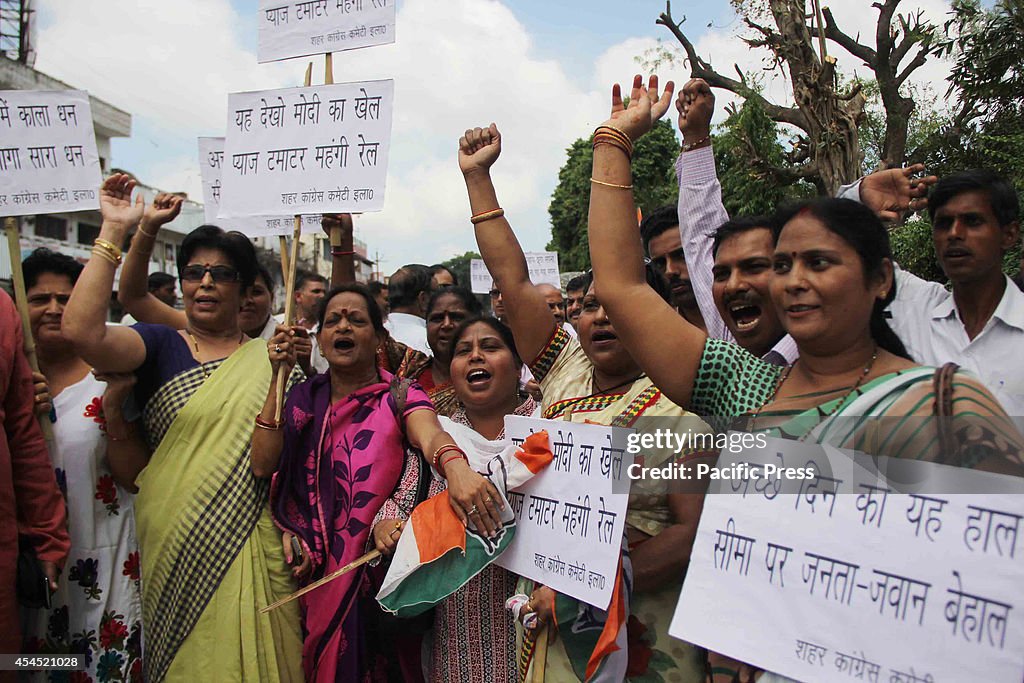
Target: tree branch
(701, 69)
(833, 33)
(917, 62)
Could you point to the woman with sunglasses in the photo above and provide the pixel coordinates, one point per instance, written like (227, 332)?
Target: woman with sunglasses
(592, 378)
(211, 555)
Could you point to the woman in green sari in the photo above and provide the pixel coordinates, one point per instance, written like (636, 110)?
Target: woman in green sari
(832, 280)
(211, 556)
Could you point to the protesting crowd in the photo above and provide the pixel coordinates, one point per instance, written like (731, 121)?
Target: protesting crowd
(209, 461)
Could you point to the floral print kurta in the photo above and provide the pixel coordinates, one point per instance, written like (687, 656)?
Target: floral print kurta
(98, 609)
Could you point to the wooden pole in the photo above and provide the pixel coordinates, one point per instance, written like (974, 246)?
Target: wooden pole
(335, 235)
(289, 286)
(284, 259)
(540, 656)
(21, 301)
(368, 557)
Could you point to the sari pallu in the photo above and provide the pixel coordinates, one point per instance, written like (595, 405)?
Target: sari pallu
(340, 463)
(210, 554)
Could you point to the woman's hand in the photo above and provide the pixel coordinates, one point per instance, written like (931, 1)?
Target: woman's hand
(44, 402)
(386, 533)
(116, 201)
(473, 497)
(479, 148)
(281, 348)
(301, 570)
(645, 107)
(164, 209)
(541, 603)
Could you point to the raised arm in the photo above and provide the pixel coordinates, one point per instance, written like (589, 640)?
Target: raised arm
(701, 211)
(528, 314)
(670, 357)
(133, 292)
(109, 348)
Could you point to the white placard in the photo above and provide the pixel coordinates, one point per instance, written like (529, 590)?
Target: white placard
(297, 29)
(322, 149)
(870, 584)
(48, 158)
(569, 521)
(543, 266)
(211, 162)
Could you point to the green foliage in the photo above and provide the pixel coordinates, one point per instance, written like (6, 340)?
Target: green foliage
(748, 134)
(459, 267)
(654, 185)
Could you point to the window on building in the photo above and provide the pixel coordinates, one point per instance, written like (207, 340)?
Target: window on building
(52, 227)
(87, 233)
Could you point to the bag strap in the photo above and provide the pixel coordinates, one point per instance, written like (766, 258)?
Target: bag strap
(942, 408)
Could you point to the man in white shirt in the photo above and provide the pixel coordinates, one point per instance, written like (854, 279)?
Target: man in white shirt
(408, 294)
(980, 324)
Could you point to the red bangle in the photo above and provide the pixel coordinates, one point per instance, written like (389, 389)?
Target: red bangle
(339, 252)
(264, 424)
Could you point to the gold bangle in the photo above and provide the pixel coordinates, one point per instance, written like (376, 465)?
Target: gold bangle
(486, 216)
(618, 187)
(97, 251)
(115, 250)
(147, 234)
(613, 142)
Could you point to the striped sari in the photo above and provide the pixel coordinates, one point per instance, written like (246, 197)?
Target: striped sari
(211, 556)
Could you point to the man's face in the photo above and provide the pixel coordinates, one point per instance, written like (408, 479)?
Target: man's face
(666, 252)
(382, 301)
(969, 242)
(555, 302)
(167, 294)
(441, 278)
(309, 297)
(742, 275)
(497, 305)
(573, 306)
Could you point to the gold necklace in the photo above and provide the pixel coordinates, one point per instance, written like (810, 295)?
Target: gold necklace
(195, 345)
(785, 375)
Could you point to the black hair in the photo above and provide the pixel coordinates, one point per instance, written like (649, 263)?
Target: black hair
(438, 267)
(655, 280)
(859, 227)
(263, 273)
(43, 260)
(468, 299)
(304, 276)
(376, 318)
(502, 330)
(577, 283)
(234, 245)
(375, 287)
(158, 280)
(407, 284)
(658, 221)
(737, 226)
(1001, 195)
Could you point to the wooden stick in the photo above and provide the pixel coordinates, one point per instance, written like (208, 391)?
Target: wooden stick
(368, 557)
(335, 235)
(288, 270)
(21, 301)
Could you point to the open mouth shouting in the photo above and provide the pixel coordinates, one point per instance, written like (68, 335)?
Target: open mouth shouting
(344, 344)
(478, 378)
(603, 338)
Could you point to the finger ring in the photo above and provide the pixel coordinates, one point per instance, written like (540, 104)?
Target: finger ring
(277, 348)
(472, 510)
(398, 526)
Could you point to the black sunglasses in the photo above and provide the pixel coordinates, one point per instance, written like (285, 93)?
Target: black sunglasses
(196, 272)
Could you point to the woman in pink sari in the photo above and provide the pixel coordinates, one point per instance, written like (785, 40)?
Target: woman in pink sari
(337, 456)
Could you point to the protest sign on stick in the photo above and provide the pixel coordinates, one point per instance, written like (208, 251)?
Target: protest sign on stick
(320, 149)
(543, 267)
(301, 29)
(849, 578)
(569, 521)
(48, 158)
(211, 160)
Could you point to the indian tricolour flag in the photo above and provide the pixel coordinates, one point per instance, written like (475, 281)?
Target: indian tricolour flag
(436, 555)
